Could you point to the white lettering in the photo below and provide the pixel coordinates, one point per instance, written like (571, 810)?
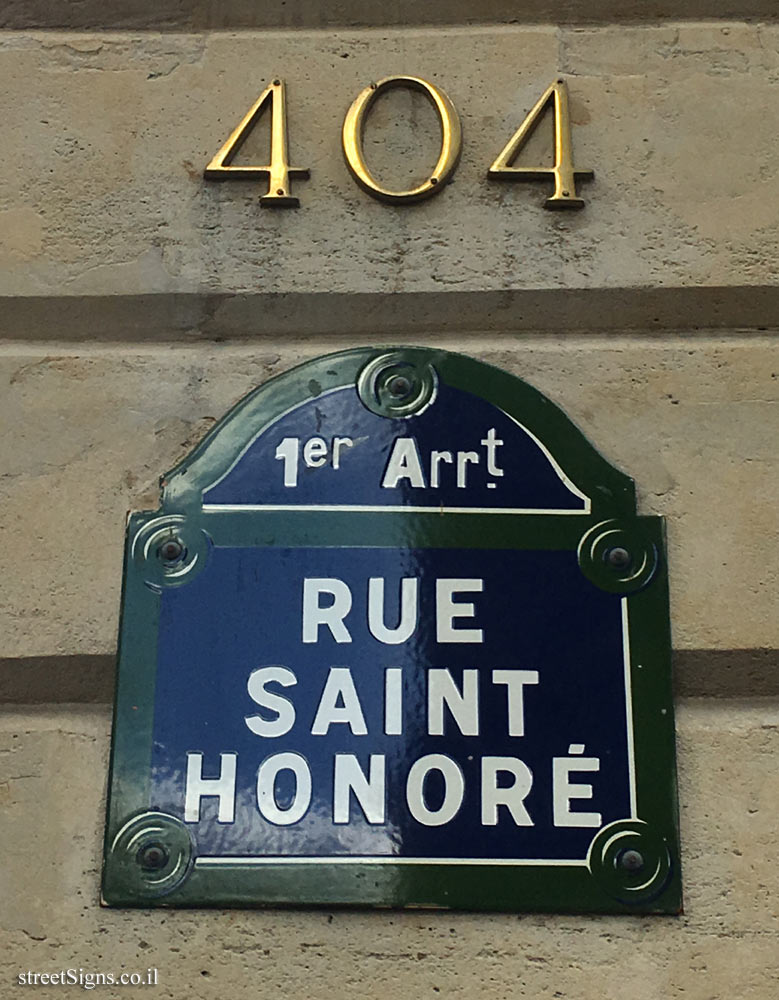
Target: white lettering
(198, 787)
(436, 457)
(454, 789)
(464, 706)
(339, 443)
(287, 452)
(403, 463)
(267, 774)
(369, 792)
(515, 680)
(333, 615)
(315, 452)
(447, 610)
(393, 701)
(491, 443)
(283, 707)
(339, 684)
(409, 611)
(564, 791)
(513, 796)
(463, 458)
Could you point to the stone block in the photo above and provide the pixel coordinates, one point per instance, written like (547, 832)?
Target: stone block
(93, 429)
(54, 764)
(103, 190)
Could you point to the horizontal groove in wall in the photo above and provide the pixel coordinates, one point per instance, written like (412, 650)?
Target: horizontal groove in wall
(192, 317)
(698, 673)
(188, 15)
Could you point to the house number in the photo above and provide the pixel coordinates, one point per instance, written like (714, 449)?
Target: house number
(279, 173)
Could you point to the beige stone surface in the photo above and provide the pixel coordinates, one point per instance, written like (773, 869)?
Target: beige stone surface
(107, 136)
(53, 765)
(89, 431)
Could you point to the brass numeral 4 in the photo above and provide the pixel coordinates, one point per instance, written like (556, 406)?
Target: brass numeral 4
(563, 171)
(278, 171)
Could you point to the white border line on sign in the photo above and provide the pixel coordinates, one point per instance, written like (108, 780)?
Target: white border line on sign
(215, 862)
(569, 484)
(559, 472)
(629, 708)
(340, 859)
(381, 509)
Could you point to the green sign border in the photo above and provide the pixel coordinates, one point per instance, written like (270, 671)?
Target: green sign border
(606, 884)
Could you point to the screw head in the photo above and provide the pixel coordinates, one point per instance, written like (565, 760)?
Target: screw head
(399, 386)
(631, 860)
(618, 558)
(171, 551)
(152, 857)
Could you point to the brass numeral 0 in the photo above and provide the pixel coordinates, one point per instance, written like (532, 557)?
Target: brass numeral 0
(451, 139)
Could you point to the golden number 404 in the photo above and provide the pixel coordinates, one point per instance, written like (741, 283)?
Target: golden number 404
(279, 173)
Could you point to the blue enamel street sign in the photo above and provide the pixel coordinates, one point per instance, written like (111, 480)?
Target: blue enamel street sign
(396, 636)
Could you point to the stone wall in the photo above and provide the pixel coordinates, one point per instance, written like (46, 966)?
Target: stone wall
(139, 302)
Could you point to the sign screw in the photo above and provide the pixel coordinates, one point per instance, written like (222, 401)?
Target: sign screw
(632, 860)
(399, 386)
(152, 857)
(618, 558)
(171, 551)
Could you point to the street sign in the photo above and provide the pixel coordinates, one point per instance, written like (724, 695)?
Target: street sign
(395, 637)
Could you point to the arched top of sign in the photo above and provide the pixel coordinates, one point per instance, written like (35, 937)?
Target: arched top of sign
(411, 429)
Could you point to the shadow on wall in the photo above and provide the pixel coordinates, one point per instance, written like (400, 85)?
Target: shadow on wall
(89, 680)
